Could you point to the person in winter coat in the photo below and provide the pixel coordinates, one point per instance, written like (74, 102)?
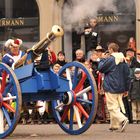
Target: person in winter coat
(116, 84)
(134, 95)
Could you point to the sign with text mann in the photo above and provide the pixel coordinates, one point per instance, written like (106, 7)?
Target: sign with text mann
(4, 22)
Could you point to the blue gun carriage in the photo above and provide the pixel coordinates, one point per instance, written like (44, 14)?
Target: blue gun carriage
(72, 92)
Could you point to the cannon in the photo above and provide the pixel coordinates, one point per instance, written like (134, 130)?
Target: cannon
(72, 92)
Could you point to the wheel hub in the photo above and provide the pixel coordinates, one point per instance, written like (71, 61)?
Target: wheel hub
(68, 98)
(1, 100)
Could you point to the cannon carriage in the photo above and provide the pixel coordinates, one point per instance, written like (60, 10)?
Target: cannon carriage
(72, 92)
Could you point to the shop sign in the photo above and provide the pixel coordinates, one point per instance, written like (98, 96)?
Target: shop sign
(4, 22)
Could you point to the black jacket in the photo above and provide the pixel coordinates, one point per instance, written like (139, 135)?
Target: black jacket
(91, 39)
(134, 63)
(134, 92)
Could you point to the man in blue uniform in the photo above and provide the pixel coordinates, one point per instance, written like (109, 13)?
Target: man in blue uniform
(14, 53)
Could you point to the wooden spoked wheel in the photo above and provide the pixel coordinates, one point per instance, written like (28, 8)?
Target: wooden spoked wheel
(76, 110)
(10, 100)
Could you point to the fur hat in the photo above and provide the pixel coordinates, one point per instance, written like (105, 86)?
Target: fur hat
(16, 42)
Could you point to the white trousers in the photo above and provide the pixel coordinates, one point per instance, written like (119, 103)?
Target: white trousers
(115, 107)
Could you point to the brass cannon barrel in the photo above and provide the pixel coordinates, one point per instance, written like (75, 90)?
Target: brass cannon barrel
(41, 46)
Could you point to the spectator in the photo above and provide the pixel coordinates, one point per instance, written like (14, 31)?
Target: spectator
(116, 84)
(99, 51)
(131, 60)
(91, 35)
(138, 58)
(132, 43)
(92, 38)
(94, 60)
(80, 57)
(132, 63)
(134, 94)
(88, 65)
(56, 68)
(61, 58)
(130, 57)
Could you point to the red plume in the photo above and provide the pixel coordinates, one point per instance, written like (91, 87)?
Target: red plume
(16, 42)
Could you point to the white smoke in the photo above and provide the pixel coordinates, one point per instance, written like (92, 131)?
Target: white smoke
(82, 9)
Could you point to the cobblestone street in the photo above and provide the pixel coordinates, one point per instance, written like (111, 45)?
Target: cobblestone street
(54, 132)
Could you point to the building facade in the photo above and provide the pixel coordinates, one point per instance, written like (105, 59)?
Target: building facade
(31, 20)
(55, 16)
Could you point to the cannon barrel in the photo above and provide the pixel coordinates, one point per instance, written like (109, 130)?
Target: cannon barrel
(41, 46)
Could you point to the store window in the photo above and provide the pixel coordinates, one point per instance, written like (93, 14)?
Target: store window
(19, 19)
(116, 23)
(118, 26)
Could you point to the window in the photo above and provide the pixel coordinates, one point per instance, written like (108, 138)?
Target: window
(19, 19)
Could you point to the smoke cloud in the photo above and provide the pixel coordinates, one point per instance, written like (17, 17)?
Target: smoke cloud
(82, 9)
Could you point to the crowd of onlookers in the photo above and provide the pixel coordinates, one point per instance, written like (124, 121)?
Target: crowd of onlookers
(34, 115)
(132, 101)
